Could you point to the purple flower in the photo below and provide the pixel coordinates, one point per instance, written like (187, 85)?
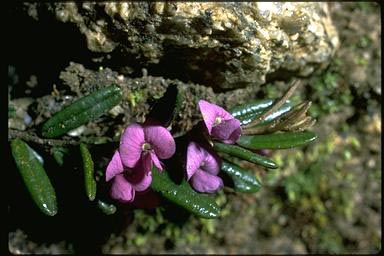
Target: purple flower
(148, 143)
(141, 146)
(125, 180)
(202, 169)
(221, 125)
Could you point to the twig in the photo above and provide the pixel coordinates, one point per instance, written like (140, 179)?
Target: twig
(276, 106)
(295, 117)
(307, 123)
(28, 136)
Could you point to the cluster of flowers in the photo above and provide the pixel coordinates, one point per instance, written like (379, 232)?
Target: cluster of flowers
(143, 145)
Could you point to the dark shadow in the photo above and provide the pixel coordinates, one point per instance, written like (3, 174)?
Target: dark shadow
(78, 221)
(43, 48)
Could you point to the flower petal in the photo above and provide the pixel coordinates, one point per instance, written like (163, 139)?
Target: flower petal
(210, 112)
(161, 141)
(140, 176)
(228, 131)
(140, 180)
(156, 161)
(122, 190)
(146, 163)
(195, 157)
(205, 182)
(235, 135)
(114, 167)
(130, 145)
(211, 163)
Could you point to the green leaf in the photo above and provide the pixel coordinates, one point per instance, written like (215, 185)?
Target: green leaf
(167, 107)
(242, 179)
(249, 117)
(88, 167)
(248, 112)
(11, 110)
(283, 109)
(244, 154)
(35, 177)
(277, 140)
(82, 111)
(251, 107)
(108, 209)
(58, 154)
(183, 195)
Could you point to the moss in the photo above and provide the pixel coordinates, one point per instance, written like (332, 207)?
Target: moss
(135, 97)
(321, 185)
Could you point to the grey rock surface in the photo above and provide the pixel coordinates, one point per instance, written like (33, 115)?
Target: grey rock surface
(223, 45)
(139, 93)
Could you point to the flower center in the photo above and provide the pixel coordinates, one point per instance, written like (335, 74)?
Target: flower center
(217, 120)
(146, 146)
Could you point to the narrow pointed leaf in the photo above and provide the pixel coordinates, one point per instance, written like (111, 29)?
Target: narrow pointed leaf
(58, 154)
(248, 112)
(242, 179)
(244, 154)
(183, 195)
(283, 109)
(35, 178)
(88, 168)
(107, 209)
(251, 107)
(277, 140)
(11, 110)
(249, 117)
(82, 111)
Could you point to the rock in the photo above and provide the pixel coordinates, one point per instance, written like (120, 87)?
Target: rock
(224, 45)
(140, 93)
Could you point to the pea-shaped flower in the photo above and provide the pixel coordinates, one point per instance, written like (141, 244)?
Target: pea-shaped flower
(141, 146)
(220, 124)
(146, 142)
(126, 181)
(202, 169)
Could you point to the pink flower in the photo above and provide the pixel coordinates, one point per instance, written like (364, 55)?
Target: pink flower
(202, 169)
(141, 146)
(221, 125)
(125, 180)
(148, 143)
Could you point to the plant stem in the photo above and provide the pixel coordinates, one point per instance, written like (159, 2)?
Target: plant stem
(29, 136)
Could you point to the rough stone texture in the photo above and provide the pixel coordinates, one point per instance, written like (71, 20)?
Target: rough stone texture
(223, 45)
(140, 93)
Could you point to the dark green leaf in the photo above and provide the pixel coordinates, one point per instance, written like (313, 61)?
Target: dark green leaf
(82, 111)
(244, 154)
(249, 117)
(283, 109)
(108, 209)
(58, 154)
(248, 112)
(183, 195)
(88, 167)
(11, 110)
(35, 177)
(277, 140)
(167, 107)
(242, 179)
(251, 107)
